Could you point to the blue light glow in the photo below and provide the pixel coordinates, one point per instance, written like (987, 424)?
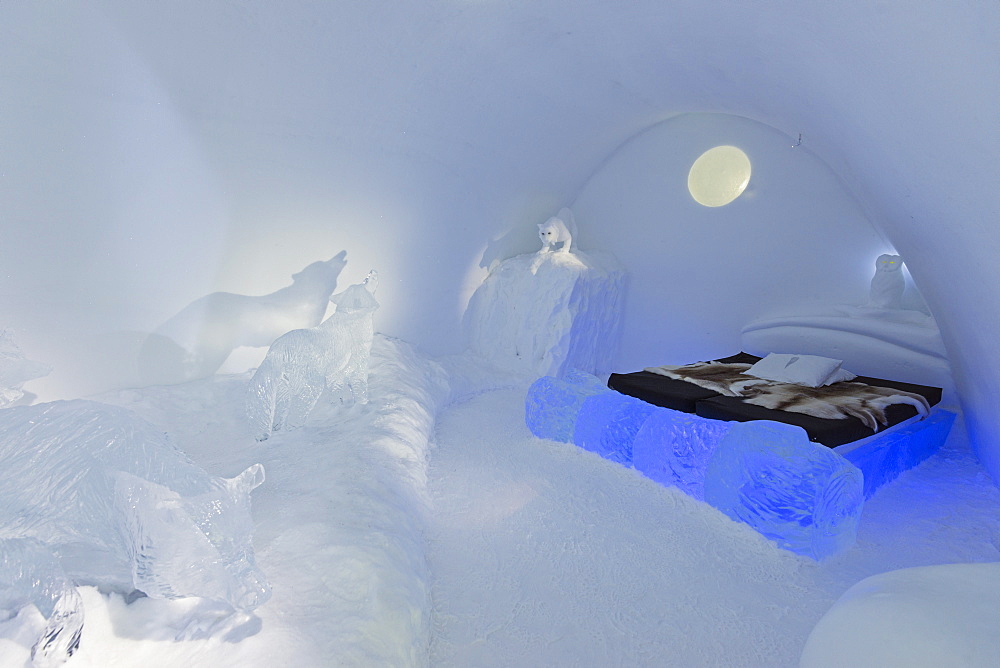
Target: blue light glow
(673, 448)
(883, 457)
(551, 407)
(800, 494)
(804, 496)
(608, 423)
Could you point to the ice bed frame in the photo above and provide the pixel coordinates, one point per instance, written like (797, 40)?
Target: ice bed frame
(671, 431)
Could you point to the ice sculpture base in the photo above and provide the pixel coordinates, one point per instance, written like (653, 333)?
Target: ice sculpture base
(545, 313)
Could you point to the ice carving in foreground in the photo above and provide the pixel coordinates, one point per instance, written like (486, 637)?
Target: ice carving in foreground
(92, 494)
(303, 363)
(30, 574)
(800, 494)
(194, 343)
(16, 369)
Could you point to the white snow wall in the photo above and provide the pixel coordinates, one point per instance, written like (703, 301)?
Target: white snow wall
(153, 152)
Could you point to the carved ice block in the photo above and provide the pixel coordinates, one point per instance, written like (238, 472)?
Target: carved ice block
(552, 404)
(800, 494)
(607, 424)
(674, 448)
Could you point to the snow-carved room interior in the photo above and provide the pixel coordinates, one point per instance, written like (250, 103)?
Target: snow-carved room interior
(155, 153)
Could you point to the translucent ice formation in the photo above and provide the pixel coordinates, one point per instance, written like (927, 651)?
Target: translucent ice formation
(552, 404)
(674, 448)
(195, 342)
(122, 508)
(544, 313)
(31, 575)
(15, 369)
(800, 494)
(303, 363)
(608, 423)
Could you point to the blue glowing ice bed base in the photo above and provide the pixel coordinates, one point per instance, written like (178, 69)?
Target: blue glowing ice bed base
(803, 495)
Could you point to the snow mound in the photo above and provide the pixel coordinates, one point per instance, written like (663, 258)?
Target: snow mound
(543, 313)
(926, 616)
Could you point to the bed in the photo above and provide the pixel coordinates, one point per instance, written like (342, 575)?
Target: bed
(680, 395)
(798, 479)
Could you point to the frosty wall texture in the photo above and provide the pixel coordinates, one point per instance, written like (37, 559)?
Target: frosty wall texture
(156, 152)
(545, 313)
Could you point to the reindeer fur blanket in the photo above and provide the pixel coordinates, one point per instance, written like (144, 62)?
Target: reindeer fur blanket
(837, 401)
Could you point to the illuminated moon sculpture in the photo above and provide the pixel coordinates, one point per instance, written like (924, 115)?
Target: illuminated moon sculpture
(719, 176)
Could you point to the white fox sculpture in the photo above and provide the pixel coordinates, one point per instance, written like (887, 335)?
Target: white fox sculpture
(303, 363)
(91, 494)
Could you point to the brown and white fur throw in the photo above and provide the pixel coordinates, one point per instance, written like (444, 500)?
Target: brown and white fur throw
(837, 401)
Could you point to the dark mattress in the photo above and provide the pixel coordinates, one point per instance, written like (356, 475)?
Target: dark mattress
(689, 398)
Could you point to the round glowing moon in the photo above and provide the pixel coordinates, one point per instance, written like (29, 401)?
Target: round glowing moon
(719, 176)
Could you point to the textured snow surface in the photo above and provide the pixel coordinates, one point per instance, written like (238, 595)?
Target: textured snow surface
(506, 550)
(544, 554)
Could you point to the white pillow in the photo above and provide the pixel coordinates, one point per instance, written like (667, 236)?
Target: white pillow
(809, 370)
(840, 375)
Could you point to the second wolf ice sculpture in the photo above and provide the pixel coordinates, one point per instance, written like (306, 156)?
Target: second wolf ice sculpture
(194, 343)
(92, 494)
(16, 369)
(303, 363)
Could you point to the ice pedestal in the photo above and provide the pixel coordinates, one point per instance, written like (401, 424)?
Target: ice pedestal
(545, 313)
(800, 494)
(607, 424)
(674, 449)
(552, 404)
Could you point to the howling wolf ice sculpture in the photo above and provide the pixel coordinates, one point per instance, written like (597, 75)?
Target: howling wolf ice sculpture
(194, 343)
(90, 494)
(303, 363)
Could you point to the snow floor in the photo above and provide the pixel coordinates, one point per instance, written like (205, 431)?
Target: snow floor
(429, 527)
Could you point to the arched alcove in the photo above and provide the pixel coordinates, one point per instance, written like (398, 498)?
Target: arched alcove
(795, 240)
